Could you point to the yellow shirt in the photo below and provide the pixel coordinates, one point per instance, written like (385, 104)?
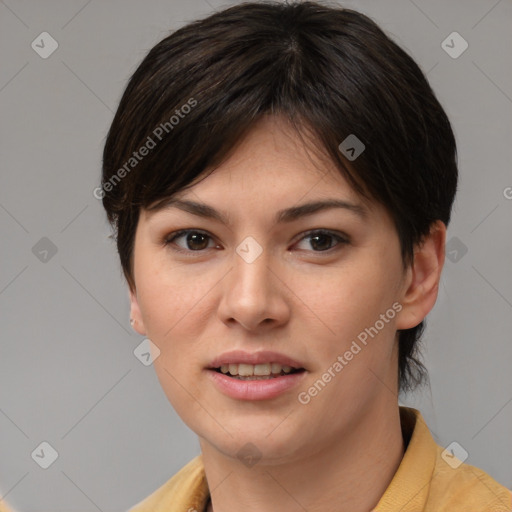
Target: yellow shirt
(424, 482)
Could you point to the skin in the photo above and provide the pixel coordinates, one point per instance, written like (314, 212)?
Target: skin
(340, 451)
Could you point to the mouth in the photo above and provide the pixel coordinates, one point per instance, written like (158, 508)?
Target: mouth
(263, 375)
(263, 371)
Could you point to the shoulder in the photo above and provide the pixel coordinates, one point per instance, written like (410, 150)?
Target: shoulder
(456, 485)
(431, 479)
(187, 489)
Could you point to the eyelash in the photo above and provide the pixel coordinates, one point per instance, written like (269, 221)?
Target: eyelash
(169, 239)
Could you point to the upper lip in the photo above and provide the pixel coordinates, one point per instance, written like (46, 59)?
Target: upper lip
(265, 356)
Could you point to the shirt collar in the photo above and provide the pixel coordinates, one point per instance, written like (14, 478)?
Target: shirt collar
(408, 490)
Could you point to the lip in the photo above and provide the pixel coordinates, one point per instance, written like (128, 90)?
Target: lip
(254, 389)
(264, 356)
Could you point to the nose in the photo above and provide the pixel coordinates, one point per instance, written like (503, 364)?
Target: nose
(254, 295)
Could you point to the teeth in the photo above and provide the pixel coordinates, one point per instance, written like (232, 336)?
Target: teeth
(262, 369)
(244, 370)
(249, 370)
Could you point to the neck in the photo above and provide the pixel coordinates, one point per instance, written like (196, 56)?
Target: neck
(350, 474)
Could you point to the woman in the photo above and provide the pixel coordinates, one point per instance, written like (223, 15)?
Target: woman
(280, 178)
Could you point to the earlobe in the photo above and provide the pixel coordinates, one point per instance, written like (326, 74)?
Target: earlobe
(422, 282)
(135, 314)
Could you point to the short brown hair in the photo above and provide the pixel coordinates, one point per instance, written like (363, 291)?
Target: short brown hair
(331, 71)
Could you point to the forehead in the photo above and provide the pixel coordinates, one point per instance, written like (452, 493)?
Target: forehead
(275, 165)
(273, 148)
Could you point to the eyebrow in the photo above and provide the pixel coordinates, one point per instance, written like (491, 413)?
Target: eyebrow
(282, 216)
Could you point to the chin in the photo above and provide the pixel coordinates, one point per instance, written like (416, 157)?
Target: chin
(268, 440)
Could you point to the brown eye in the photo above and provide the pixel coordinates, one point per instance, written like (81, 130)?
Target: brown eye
(195, 241)
(322, 241)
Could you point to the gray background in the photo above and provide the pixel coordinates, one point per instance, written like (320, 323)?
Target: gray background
(68, 374)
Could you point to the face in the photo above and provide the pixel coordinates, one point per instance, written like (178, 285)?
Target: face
(306, 291)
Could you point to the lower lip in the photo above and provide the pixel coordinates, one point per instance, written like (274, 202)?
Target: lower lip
(255, 389)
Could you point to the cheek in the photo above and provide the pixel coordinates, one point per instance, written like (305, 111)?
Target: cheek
(353, 298)
(175, 312)
(176, 307)
(169, 296)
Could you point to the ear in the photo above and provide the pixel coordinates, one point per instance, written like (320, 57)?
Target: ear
(421, 283)
(135, 314)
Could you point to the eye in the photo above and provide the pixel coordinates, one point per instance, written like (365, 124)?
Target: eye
(197, 241)
(322, 239)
